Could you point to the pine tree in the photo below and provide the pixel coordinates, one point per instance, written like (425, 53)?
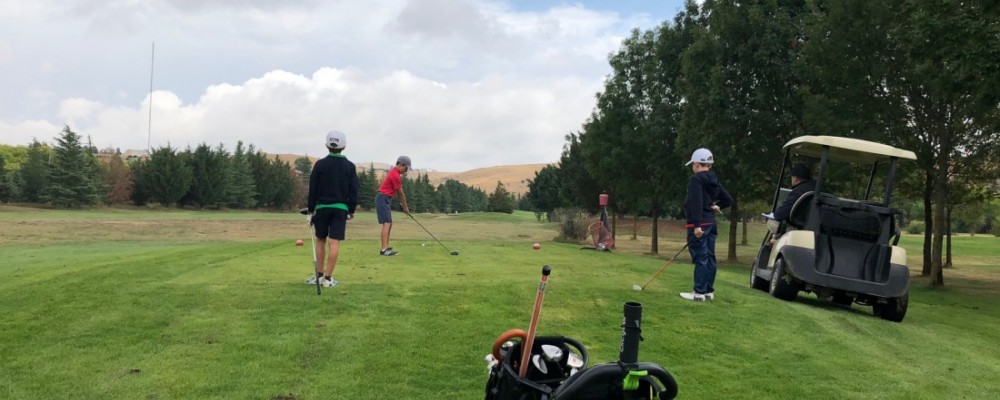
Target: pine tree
(210, 178)
(242, 190)
(33, 173)
(166, 177)
(72, 174)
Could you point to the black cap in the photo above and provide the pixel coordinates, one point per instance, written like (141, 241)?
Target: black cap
(801, 171)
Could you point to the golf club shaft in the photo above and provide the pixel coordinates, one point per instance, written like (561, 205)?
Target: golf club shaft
(664, 267)
(312, 238)
(429, 232)
(530, 339)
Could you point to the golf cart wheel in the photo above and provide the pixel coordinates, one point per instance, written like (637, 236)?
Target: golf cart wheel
(843, 299)
(757, 282)
(782, 286)
(893, 309)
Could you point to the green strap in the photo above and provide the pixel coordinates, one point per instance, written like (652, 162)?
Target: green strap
(339, 206)
(337, 155)
(631, 381)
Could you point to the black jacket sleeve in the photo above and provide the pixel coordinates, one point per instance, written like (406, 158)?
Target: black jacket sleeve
(313, 188)
(352, 192)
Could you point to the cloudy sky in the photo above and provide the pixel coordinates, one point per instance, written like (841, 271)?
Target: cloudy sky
(455, 84)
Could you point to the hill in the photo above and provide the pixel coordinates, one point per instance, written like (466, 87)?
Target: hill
(514, 177)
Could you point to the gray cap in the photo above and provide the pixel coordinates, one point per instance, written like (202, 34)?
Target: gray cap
(405, 161)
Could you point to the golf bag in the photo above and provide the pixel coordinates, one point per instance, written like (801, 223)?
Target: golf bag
(505, 384)
(624, 379)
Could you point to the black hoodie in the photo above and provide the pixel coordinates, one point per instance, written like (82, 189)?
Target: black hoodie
(704, 190)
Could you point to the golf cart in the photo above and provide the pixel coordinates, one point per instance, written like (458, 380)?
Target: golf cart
(842, 248)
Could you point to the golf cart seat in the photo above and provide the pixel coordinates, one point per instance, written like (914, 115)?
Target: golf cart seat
(800, 212)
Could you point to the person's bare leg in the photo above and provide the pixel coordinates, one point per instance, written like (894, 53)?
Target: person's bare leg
(331, 261)
(386, 229)
(320, 254)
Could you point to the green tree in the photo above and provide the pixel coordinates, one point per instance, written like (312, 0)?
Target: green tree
(71, 174)
(443, 199)
(165, 177)
(7, 188)
(544, 191)
(209, 175)
(304, 166)
(33, 174)
(501, 200)
(242, 190)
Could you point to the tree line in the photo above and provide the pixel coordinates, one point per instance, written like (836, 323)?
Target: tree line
(450, 196)
(71, 174)
(743, 77)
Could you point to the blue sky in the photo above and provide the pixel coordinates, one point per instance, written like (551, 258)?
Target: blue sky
(455, 84)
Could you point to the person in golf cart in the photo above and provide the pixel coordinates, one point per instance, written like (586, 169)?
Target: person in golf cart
(802, 183)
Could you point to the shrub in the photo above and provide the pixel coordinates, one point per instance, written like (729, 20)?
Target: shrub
(915, 227)
(573, 224)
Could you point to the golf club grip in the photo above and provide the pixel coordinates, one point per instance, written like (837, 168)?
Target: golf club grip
(530, 339)
(503, 338)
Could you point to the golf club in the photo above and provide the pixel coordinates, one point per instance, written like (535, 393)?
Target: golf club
(664, 267)
(454, 253)
(530, 339)
(312, 238)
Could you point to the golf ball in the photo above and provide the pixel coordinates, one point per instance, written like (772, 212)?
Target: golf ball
(536, 246)
(423, 244)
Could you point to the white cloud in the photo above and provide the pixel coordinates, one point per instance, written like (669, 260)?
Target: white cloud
(456, 84)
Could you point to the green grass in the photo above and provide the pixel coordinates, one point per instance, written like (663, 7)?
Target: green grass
(227, 317)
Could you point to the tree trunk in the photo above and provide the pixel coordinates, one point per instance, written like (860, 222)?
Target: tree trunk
(744, 241)
(614, 225)
(941, 200)
(733, 218)
(635, 227)
(947, 253)
(928, 221)
(654, 247)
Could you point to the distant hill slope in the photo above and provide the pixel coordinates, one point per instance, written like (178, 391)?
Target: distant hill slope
(514, 177)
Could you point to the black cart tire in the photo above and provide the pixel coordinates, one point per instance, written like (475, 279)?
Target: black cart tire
(757, 282)
(894, 308)
(781, 285)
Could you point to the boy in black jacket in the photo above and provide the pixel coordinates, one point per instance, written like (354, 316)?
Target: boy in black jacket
(705, 198)
(333, 196)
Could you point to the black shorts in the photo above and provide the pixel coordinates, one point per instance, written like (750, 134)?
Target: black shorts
(330, 222)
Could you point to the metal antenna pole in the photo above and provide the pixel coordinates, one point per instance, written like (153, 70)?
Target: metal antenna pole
(149, 127)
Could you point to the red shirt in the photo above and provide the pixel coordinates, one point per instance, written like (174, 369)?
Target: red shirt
(392, 183)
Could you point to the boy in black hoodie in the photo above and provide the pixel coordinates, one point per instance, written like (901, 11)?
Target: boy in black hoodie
(333, 197)
(705, 198)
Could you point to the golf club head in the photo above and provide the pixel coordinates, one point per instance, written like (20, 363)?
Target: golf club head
(454, 253)
(551, 353)
(304, 211)
(539, 364)
(574, 361)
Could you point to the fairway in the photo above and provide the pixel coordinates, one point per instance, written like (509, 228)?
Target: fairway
(167, 304)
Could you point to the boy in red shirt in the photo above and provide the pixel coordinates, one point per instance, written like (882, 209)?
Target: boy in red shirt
(392, 185)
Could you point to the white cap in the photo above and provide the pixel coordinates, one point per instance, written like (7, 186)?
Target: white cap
(336, 140)
(701, 156)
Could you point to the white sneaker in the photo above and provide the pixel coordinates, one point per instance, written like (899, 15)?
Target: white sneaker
(710, 296)
(328, 283)
(693, 296)
(311, 280)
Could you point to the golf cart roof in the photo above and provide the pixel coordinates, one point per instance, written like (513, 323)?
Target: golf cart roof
(846, 149)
